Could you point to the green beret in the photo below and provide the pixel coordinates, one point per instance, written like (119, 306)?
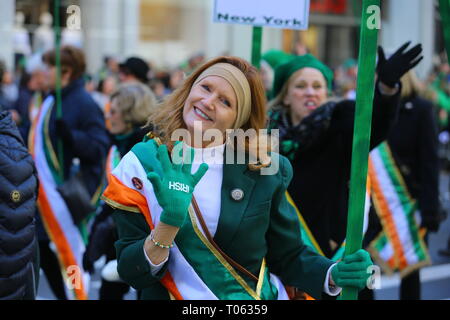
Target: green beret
(276, 57)
(284, 71)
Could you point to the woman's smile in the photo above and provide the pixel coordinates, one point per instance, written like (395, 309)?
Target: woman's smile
(202, 115)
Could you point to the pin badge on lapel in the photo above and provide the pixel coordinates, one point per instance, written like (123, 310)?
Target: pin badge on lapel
(237, 194)
(137, 183)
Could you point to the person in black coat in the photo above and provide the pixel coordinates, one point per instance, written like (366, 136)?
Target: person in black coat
(413, 142)
(317, 136)
(19, 260)
(81, 134)
(131, 105)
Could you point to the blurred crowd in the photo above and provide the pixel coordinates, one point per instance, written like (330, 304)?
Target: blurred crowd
(29, 78)
(117, 100)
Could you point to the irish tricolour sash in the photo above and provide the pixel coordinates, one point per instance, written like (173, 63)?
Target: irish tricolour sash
(189, 273)
(399, 247)
(56, 217)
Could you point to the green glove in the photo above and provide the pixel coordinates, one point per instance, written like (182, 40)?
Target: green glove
(352, 271)
(174, 190)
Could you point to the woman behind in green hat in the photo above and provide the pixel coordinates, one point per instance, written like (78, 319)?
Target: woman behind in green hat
(316, 135)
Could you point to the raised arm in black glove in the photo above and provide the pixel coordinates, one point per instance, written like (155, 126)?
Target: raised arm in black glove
(391, 70)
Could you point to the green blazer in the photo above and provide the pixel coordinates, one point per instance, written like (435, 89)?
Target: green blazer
(262, 224)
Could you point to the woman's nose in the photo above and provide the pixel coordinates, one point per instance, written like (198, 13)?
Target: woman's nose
(209, 101)
(309, 91)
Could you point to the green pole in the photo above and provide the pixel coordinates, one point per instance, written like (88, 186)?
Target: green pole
(444, 8)
(256, 46)
(370, 23)
(58, 99)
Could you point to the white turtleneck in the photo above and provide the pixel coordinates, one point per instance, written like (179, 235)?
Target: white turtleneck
(208, 189)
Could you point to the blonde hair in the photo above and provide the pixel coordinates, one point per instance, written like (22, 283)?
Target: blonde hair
(169, 115)
(135, 102)
(411, 85)
(277, 103)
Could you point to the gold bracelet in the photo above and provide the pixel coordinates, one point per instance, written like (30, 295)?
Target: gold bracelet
(158, 244)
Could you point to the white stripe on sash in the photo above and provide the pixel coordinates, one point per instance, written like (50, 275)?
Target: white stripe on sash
(395, 207)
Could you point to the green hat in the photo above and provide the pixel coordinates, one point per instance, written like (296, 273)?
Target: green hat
(285, 71)
(276, 57)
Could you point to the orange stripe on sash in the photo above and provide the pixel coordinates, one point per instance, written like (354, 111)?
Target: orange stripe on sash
(167, 281)
(388, 217)
(125, 196)
(58, 237)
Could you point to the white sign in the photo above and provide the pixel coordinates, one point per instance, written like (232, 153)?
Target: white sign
(286, 14)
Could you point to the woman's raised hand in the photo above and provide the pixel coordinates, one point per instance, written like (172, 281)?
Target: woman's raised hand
(174, 189)
(391, 70)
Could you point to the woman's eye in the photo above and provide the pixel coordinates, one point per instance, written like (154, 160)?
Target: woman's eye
(317, 86)
(226, 102)
(206, 87)
(300, 86)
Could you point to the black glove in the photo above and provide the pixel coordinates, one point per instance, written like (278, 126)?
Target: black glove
(390, 71)
(63, 131)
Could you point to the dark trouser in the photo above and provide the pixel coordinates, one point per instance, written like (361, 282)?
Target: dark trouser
(113, 290)
(366, 294)
(50, 266)
(410, 287)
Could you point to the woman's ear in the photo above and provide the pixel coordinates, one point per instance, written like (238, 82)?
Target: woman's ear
(66, 75)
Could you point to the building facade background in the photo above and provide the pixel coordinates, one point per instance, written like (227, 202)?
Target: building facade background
(167, 32)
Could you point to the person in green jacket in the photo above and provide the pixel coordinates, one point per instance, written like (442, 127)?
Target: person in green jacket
(210, 219)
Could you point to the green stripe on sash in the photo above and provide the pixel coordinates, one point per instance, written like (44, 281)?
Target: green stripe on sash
(115, 157)
(381, 242)
(408, 204)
